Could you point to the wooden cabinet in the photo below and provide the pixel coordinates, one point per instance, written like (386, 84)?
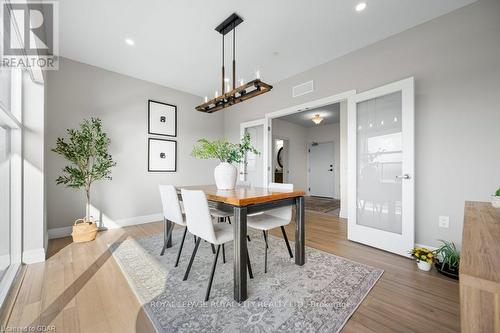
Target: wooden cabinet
(480, 269)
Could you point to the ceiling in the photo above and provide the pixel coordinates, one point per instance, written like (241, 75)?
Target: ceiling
(176, 44)
(330, 114)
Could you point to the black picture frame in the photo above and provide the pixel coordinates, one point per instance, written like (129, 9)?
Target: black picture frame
(149, 119)
(149, 155)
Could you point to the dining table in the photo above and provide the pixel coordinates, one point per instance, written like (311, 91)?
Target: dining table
(242, 201)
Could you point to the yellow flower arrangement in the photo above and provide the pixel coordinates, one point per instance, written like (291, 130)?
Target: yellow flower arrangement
(422, 254)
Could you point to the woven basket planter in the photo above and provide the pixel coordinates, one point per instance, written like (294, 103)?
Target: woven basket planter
(84, 231)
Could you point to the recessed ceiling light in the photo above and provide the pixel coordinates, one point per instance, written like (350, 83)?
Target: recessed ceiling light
(129, 41)
(360, 6)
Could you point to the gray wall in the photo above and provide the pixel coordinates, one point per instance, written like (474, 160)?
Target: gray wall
(455, 60)
(79, 91)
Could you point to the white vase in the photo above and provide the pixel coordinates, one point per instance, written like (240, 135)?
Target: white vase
(424, 265)
(225, 176)
(495, 201)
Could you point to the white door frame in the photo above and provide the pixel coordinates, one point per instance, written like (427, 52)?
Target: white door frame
(378, 238)
(265, 144)
(344, 96)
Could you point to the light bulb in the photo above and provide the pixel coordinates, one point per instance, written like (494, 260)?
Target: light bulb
(206, 99)
(257, 74)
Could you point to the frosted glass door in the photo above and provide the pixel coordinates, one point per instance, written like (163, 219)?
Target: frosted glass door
(252, 170)
(381, 175)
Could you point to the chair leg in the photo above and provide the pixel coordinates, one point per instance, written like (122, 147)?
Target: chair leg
(249, 266)
(265, 238)
(248, 238)
(212, 274)
(286, 241)
(192, 259)
(180, 248)
(166, 236)
(265, 253)
(223, 254)
(229, 220)
(213, 248)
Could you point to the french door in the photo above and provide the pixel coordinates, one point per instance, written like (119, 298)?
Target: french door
(381, 167)
(252, 172)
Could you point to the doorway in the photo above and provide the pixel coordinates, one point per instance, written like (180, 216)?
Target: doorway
(281, 147)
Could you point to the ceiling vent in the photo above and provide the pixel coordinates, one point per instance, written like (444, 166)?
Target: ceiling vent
(302, 89)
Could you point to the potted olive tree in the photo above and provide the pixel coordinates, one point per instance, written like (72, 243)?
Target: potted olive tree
(86, 150)
(227, 153)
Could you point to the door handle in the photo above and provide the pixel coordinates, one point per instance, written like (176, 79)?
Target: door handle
(405, 176)
(330, 169)
(243, 173)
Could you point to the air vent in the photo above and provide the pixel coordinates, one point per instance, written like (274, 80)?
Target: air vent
(302, 89)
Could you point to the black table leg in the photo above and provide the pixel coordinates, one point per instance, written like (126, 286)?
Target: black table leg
(168, 226)
(240, 254)
(300, 257)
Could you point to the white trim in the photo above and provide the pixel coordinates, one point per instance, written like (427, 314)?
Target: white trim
(242, 166)
(66, 231)
(7, 281)
(296, 109)
(4, 261)
(34, 256)
(428, 247)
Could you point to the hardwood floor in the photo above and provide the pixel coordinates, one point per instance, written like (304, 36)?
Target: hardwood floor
(80, 288)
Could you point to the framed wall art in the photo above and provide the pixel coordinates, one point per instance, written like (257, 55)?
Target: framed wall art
(162, 155)
(162, 118)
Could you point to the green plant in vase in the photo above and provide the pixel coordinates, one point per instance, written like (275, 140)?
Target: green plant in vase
(227, 153)
(448, 259)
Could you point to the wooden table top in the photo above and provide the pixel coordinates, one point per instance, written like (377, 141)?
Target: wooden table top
(480, 257)
(244, 196)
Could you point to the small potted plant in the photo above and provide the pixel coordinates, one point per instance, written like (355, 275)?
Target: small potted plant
(225, 173)
(448, 259)
(424, 258)
(495, 199)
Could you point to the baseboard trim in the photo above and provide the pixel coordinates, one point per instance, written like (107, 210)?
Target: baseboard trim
(429, 247)
(34, 256)
(108, 224)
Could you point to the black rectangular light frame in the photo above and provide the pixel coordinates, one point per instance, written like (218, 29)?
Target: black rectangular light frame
(229, 24)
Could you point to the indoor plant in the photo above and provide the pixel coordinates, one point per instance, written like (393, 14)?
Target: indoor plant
(87, 152)
(448, 259)
(495, 199)
(227, 153)
(424, 258)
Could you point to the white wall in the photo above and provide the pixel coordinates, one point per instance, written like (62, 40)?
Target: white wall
(297, 152)
(79, 91)
(328, 133)
(455, 62)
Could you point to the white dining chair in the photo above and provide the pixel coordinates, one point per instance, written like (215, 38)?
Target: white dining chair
(172, 211)
(199, 223)
(273, 218)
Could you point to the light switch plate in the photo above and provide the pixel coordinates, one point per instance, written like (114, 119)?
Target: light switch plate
(444, 222)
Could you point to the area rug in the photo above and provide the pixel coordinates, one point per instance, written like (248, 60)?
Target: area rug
(323, 205)
(317, 297)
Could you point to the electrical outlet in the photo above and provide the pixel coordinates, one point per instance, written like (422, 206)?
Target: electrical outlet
(444, 222)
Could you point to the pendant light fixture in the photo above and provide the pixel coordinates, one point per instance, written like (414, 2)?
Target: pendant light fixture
(230, 96)
(317, 119)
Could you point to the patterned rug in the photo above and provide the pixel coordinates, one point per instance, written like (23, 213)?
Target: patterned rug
(323, 205)
(317, 297)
